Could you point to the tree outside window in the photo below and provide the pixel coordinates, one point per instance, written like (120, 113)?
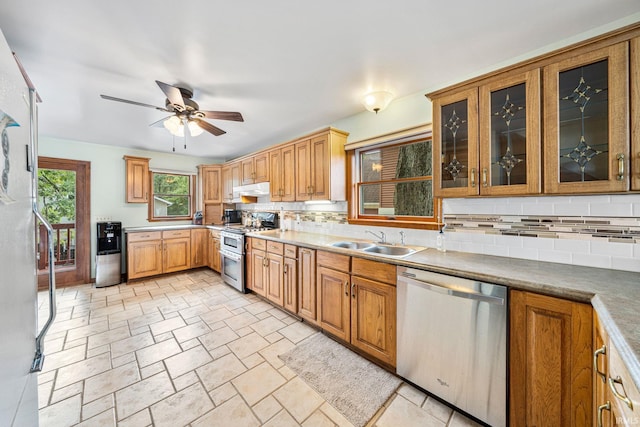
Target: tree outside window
(172, 196)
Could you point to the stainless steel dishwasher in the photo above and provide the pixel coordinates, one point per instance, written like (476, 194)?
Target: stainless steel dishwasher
(452, 341)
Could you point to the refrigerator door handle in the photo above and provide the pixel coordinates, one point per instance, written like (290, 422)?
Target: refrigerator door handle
(38, 359)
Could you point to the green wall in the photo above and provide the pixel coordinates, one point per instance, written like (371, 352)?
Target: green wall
(108, 179)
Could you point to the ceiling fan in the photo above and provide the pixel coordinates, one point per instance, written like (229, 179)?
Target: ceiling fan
(186, 112)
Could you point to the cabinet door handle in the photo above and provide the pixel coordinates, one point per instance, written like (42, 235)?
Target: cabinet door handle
(286, 267)
(484, 177)
(353, 290)
(346, 287)
(620, 158)
(623, 397)
(602, 350)
(473, 177)
(601, 409)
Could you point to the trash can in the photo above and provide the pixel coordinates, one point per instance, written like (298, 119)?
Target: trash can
(108, 256)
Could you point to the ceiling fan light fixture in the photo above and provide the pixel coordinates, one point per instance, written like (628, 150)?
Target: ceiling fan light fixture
(172, 124)
(194, 129)
(377, 101)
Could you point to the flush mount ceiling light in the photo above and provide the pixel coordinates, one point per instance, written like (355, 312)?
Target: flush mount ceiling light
(377, 101)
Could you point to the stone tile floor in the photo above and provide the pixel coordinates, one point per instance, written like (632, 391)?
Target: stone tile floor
(186, 349)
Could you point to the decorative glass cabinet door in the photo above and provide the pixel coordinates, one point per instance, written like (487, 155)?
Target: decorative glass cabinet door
(510, 135)
(587, 122)
(455, 133)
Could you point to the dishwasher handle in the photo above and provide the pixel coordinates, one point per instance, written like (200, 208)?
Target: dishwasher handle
(476, 296)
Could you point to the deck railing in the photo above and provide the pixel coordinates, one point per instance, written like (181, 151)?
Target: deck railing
(64, 236)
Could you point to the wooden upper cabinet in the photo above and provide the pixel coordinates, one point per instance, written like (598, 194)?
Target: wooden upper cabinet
(246, 171)
(137, 179)
(586, 104)
(303, 170)
(282, 173)
(255, 169)
(551, 361)
(635, 113)
(489, 138)
(320, 164)
(230, 178)
(455, 132)
(510, 140)
(211, 178)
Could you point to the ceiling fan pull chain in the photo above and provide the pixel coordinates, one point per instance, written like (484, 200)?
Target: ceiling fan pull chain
(174, 143)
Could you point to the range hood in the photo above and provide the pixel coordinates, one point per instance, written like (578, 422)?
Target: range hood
(252, 190)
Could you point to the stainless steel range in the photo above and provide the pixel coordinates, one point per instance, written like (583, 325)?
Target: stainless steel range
(232, 247)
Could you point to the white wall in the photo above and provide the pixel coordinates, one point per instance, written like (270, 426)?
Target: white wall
(108, 179)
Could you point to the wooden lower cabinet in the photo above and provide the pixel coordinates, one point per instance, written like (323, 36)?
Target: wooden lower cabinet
(199, 247)
(290, 281)
(157, 252)
(214, 250)
(255, 272)
(359, 310)
(307, 307)
(266, 269)
(551, 358)
(601, 403)
(144, 258)
(177, 254)
(334, 301)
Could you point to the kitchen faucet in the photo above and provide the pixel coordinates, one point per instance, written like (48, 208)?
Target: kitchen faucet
(402, 237)
(382, 237)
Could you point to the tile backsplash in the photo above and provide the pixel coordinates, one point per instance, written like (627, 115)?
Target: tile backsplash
(595, 230)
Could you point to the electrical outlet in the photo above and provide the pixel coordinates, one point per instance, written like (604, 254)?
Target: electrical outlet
(103, 218)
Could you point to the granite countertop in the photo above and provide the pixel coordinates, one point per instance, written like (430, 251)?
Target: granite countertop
(614, 294)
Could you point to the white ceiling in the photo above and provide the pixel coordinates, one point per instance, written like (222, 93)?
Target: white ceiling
(289, 67)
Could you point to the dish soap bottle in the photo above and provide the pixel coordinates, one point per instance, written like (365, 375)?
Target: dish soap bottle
(440, 240)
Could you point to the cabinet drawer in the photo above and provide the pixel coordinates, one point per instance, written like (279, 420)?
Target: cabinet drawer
(290, 251)
(260, 244)
(174, 234)
(334, 261)
(143, 236)
(375, 270)
(625, 387)
(275, 248)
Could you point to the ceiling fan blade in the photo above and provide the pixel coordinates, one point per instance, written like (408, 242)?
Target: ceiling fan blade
(111, 98)
(173, 94)
(209, 127)
(223, 115)
(159, 123)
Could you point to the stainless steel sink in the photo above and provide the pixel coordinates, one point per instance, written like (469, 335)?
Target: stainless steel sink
(390, 250)
(352, 245)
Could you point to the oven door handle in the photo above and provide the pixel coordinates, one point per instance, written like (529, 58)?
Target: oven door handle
(235, 257)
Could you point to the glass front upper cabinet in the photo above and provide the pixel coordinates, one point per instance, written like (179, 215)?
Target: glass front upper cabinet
(510, 135)
(586, 101)
(455, 135)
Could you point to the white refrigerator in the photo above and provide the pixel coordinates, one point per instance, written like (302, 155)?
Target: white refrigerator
(18, 286)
